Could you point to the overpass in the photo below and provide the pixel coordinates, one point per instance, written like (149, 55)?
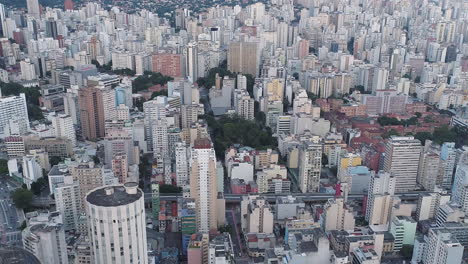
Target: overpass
(271, 197)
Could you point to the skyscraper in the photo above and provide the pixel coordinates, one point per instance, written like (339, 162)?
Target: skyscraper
(442, 247)
(63, 125)
(447, 165)
(310, 165)
(203, 187)
(460, 185)
(380, 198)
(402, 160)
(92, 114)
(192, 62)
(13, 108)
(116, 217)
(243, 57)
(89, 176)
(3, 27)
(51, 28)
(181, 164)
(68, 200)
(45, 238)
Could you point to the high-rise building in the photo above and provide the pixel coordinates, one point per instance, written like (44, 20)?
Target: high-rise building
(243, 57)
(403, 229)
(34, 8)
(168, 64)
(188, 220)
(337, 215)
(245, 107)
(89, 176)
(380, 198)
(154, 110)
(68, 200)
(92, 114)
(32, 170)
(3, 27)
(310, 165)
(460, 185)
(190, 114)
(181, 164)
(13, 108)
(259, 216)
(203, 188)
(442, 247)
(402, 160)
(45, 238)
(116, 217)
(429, 203)
(198, 249)
(447, 164)
(192, 62)
(428, 169)
(63, 125)
(28, 71)
(160, 139)
(51, 28)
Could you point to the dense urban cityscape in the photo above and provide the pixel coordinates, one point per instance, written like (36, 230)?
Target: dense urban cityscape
(229, 131)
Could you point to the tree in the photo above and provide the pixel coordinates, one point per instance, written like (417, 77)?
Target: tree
(39, 185)
(388, 121)
(167, 188)
(156, 94)
(417, 114)
(54, 160)
(312, 96)
(407, 251)
(423, 136)
(391, 132)
(3, 166)
(22, 198)
(296, 75)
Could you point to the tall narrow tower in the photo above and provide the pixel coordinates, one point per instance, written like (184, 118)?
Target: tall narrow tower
(203, 184)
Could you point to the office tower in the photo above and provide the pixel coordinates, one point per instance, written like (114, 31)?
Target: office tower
(68, 201)
(337, 215)
(45, 238)
(118, 142)
(402, 160)
(243, 57)
(403, 228)
(116, 215)
(32, 171)
(28, 71)
(181, 164)
(203, 184)
(380, 198)
(155, 202)
(245, 107)
(447, 165)
(192, 62)
(310, 165)
(241, 83)
(428, 169)
(89, 176)
(92, 114)
(33, 8)
(442, 247)
(51, 28)
(13, 108)
(460, 185)
(63, 125)
(190, 114)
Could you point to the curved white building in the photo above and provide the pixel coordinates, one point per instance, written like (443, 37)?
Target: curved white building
(116, 218)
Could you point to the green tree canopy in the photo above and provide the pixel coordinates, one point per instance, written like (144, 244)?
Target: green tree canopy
(22, 198)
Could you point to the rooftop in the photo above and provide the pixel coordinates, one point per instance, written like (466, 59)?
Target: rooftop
(115, 195)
